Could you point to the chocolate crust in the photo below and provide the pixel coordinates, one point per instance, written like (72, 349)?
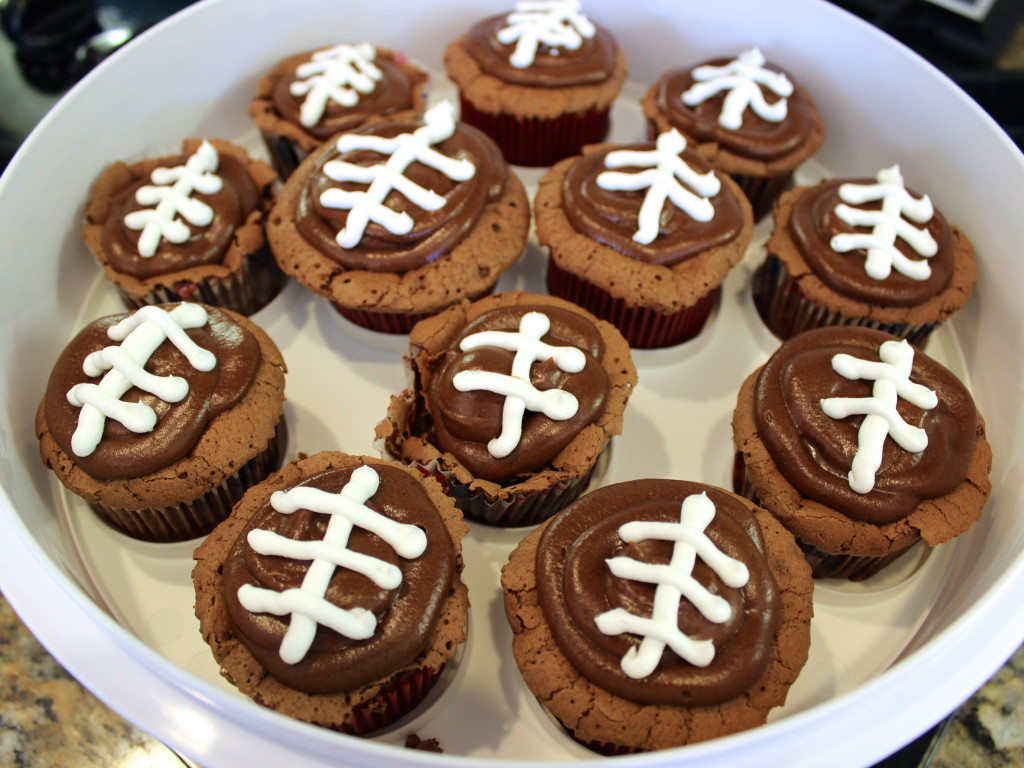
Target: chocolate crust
(239, 667)
(492, 95)
(934, 520)
(248, 237)
(268, 120)
(400, 433)
(665, 289)
(230, 440)
(470, 269)
(938, 308)
(592, 714)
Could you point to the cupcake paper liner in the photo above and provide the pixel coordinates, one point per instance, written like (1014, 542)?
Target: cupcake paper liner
(389, 322)
(539, 142)
(643, 328)
(198, 517)
(285, 155)
(251, 288)
(786, 311)
(395, 700)
(824, 565)
(763, 191)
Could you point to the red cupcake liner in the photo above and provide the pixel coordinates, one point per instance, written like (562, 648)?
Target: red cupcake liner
(192, 519)
(642, 327)
(538, 141)
(786, 311)
(251, 288)
(824, 565)
(395, 700)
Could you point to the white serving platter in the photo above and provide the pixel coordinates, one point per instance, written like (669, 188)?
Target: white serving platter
(888, 658)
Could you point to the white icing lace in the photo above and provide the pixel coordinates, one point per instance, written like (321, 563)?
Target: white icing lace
(383, 178)
(675, 582)
(742, 78)
(887, 224)
(891, 379)
(306, 604)
(519, 392)
(554, 23)
(340, 74)
(173, 198)
(123, 367)
(667, 177)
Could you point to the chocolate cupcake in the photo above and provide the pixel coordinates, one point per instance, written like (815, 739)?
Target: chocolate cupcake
(862, 446)
(333, 593)
(307, 98)
(747, 116)
(160, 419)
(657, 613)
(865, 252)
(187, 227)
(642, 236)
(540, 80)
(514, 400)
(398, 220)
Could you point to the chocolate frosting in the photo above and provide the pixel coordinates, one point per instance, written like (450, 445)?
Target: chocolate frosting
(610, 217)
(406, 615)
(812, 224)
(122, 454)
(575, 585)
(232, 205)
(814, 452)
(434, 233)
(590, 64)
(392, 93)
(756, 138)
(464, 422)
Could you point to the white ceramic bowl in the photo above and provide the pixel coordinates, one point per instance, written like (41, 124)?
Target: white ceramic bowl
(887, 661)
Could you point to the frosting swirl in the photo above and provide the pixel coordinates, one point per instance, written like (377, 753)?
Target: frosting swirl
(391, 92)
(465, 422)
(432, 233)
(610, 216)
(590, 63)
(124, 454)
(755, 137)
(575, 585)
(813, 223)
(406, 614)
(236, 199)
(815, 452)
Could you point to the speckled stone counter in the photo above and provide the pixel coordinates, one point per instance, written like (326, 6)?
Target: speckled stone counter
(48, 719)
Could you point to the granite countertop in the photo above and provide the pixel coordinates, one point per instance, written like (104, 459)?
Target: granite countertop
(48, 719)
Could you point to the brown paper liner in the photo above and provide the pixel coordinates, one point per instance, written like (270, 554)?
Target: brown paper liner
(285, 154)
(198, 517)
(390, 322)
(535, 141)
(643, 328)
(786, 311)
(395, 700)
(824, 565)
(519, 510)
(251, 288)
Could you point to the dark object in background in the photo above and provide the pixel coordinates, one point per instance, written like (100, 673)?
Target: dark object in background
(58, 41)
(963, 38)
